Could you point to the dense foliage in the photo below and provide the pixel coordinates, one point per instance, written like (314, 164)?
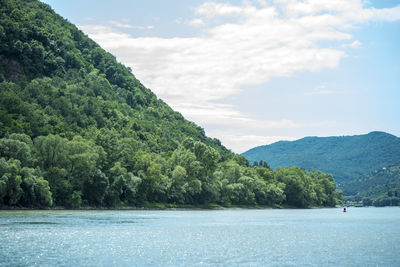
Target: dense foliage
(78, 129)
(378, 188)
(346, 157)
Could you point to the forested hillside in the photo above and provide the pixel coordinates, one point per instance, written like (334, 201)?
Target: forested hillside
(78, 129)
(377, 188)
(345, 157)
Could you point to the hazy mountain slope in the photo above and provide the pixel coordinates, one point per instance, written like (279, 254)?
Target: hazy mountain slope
(346, 157)
(378, 188)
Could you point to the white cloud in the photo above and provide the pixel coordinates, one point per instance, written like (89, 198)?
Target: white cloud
(212, 114)
(389, 14)
(212, 9)
(192, 74)
(121, 25)
(354, 44)
(295, 8)
(243, 142)
(262, 3)
(128, 26)
(196, 22)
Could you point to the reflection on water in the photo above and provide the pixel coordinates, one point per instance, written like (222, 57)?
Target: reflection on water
(314, 237)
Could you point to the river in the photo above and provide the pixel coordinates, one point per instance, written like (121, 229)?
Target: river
(232, 237)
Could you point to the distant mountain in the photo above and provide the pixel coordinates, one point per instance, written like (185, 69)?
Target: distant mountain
(345, 157)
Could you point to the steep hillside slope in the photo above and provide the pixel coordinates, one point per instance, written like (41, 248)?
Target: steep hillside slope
(78, 129)
(345, 157)
(88, 87)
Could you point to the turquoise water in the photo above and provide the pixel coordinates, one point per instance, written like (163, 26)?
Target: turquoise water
(314, 237)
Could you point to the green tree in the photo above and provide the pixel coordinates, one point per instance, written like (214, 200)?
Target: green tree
(178, 185)
(36, 190)
(10, 181)
(14, 149)
(60, 185)
(95, 188)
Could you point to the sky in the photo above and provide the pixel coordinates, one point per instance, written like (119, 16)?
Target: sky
(255, 72)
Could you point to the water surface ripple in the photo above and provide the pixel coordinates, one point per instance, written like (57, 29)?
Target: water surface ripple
(314, 237)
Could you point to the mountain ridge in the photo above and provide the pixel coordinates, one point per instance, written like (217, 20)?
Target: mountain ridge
(330, 154)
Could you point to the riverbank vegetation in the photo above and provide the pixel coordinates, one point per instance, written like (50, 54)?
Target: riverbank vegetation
(55, 171)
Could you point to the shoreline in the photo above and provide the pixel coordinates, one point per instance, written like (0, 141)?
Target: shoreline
(163, 207)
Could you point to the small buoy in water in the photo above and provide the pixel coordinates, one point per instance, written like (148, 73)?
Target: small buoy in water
(344, 209)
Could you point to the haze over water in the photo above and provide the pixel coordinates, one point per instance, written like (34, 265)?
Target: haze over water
(312, 237)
